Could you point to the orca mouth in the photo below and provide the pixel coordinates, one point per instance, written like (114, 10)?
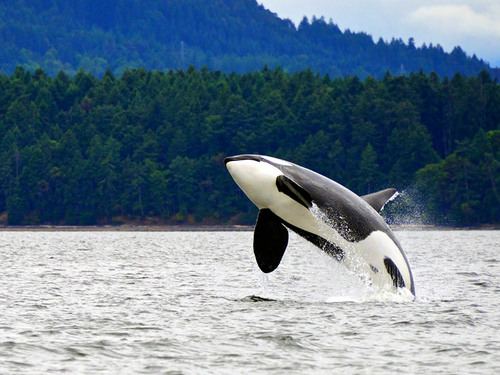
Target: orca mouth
(242, 157)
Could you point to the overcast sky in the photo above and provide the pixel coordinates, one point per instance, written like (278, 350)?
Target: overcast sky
(474, 25)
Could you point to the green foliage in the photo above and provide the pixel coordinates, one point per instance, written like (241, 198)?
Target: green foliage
(228, 35)
(465, 184)
(150, 145)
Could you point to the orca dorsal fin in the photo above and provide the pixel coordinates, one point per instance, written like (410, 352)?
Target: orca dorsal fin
(270, 240)
(380, 198)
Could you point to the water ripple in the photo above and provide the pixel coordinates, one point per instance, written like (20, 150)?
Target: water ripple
(196, 303)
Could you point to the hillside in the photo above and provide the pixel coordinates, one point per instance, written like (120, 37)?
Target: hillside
(226, 35)
(149, 146)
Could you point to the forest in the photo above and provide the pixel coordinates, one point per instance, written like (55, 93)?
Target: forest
(226, 35)
(148, 146)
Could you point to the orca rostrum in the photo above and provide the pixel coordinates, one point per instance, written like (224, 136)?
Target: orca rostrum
(344, 225)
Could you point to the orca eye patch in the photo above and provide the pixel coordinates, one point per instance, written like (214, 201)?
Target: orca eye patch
(294, 191)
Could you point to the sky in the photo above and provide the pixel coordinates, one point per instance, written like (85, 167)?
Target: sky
(474, 25)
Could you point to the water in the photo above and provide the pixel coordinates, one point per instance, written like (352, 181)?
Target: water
(195, 303)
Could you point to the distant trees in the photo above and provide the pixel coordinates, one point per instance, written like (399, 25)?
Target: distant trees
(465, 184)
(149, 145)
(227, 35)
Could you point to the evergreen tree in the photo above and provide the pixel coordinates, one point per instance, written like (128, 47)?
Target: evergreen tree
(150, 145)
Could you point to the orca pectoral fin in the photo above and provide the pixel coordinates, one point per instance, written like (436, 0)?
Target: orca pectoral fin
(270, 239)
(380, 198)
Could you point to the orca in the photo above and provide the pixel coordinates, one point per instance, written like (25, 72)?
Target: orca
(330, 216)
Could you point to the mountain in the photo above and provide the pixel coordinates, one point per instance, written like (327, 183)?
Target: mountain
(226, 35)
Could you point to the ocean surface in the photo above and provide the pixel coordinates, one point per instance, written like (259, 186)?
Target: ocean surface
(196, 303)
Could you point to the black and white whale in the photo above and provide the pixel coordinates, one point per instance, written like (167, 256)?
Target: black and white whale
(339, 222)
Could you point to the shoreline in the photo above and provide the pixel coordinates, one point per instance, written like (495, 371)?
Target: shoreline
(126, 228)
(200, 228)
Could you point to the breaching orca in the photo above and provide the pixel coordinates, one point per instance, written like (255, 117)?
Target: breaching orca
(327, 214)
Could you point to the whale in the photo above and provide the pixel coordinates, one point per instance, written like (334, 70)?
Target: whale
(344, 225)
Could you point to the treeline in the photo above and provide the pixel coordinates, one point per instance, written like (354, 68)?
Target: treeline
(149, 145)
(227, 35)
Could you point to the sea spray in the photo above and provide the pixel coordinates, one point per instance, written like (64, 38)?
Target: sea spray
(353, 272)
(410, 208)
